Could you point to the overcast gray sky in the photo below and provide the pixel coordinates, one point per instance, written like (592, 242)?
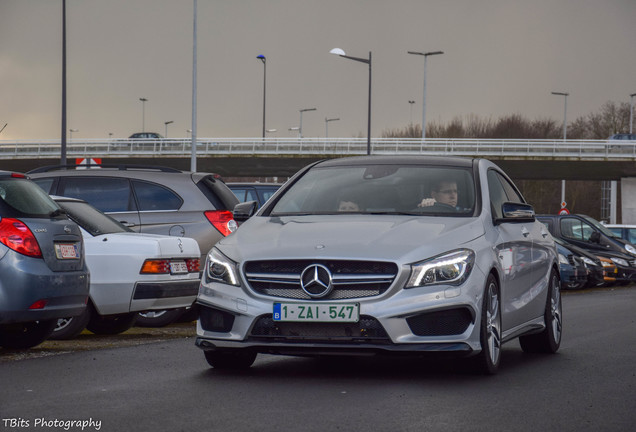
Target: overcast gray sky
(500, 57)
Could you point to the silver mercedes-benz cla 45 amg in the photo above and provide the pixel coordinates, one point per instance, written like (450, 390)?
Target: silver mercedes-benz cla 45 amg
(381, 255)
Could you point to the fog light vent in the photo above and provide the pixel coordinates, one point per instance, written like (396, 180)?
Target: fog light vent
(216, 320)
(440, 323)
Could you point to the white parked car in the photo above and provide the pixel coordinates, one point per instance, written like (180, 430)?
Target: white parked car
(129, 272)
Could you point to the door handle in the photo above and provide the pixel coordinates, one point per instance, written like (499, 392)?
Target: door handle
(127, 224)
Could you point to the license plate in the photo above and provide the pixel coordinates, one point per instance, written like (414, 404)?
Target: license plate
(317, 312)
(178, 267)
(66, 251)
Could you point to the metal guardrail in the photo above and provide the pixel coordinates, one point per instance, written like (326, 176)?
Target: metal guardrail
(504, 148)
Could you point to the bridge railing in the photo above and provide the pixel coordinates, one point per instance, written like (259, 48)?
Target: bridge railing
(181, 147)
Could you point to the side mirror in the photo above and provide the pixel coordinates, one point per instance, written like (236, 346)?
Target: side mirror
(516, 212)
(245, 210)
(595, 237)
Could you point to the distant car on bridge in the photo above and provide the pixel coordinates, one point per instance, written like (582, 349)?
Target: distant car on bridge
(145, 135)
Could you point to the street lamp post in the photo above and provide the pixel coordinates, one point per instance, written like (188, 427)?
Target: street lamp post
(631, 111)
(327, 120)
(425, 54)
(341, 53)
(264, 60)
(63, 137)
(143, 113)
(300, 126)
(565, 112)
(411, 102)
(166, 125)
(565, 133)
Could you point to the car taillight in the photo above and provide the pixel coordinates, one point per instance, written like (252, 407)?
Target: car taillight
(155, 267)
(40, 304)
(193, 265)
(223, 220)
(16, 235)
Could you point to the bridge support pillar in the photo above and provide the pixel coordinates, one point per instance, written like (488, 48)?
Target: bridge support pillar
(628, 200)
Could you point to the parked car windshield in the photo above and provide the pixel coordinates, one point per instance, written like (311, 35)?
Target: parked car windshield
(91, 219)
(381, 189)
(25, 198)
(600, 227)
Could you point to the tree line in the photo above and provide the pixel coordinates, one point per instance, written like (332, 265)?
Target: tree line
(545, 195)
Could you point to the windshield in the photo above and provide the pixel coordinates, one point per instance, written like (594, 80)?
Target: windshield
(600, 227)
(22, 197)
(381, 189)
(91, 219)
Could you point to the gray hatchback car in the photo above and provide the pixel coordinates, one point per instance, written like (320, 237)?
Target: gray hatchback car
(156, 200)
(376, 255)
(43, 274)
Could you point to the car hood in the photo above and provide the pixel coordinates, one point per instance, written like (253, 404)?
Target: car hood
(394, 238)
(150, 245)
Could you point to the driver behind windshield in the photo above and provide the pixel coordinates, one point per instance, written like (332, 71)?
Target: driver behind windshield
(444, 196)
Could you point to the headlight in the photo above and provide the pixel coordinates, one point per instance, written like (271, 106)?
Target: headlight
(631, 249)
(589, 261)
(620, 262)
(563, 259)
(221, 269)
(452, 269)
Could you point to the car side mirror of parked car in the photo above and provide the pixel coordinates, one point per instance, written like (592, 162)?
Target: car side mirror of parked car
(245, 210)
(595, 237)
(516, 212)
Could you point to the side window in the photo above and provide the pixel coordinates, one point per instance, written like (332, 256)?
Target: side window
(497, 193)
(109, 194)
(151, 196)
(240, 193)
(575, 229)
(511, 191)
(45, 183)
(631, 235)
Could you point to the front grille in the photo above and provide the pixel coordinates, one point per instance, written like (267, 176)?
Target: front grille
(440, 323)
(367, 329)
(351, 279)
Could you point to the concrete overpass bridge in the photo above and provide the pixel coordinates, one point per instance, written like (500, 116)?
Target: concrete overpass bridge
(257, 157)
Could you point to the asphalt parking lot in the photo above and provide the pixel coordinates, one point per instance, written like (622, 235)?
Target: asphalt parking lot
(88, 341)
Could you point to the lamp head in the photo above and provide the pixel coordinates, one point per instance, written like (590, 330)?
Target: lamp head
(261, 57)
(337, 51)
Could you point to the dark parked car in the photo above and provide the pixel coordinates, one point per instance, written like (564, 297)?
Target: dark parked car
(259, 192)
(599, 270)
(589, 234)
(43, 273)
(573, 271)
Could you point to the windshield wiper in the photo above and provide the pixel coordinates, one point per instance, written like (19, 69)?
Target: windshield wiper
(57, 212)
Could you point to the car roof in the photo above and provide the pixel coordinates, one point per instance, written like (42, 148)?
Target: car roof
(398, 160)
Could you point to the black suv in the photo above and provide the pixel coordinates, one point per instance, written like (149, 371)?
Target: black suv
(157, 200)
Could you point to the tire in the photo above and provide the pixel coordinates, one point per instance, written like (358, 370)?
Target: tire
(111, 324)
(549, 340)
(69, 328)
(487, 361)
(158, 318)
(235, 359)
(26, 335)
